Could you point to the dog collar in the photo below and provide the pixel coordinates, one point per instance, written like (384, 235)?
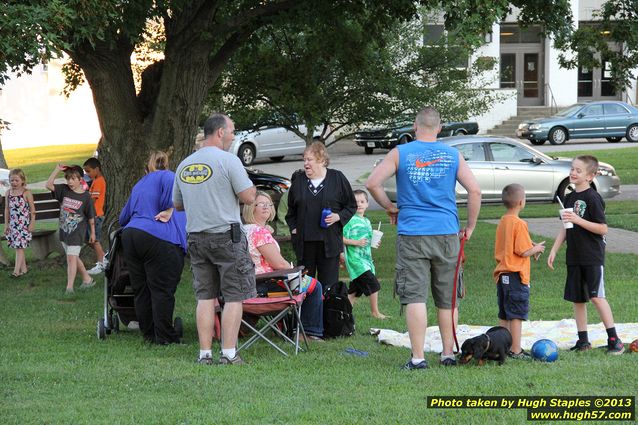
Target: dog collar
(488, 342)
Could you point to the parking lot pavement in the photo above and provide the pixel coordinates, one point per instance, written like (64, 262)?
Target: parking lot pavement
(618, 240)
(350, 159)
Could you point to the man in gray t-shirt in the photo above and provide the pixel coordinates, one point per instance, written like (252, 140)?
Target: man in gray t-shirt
(209, 185)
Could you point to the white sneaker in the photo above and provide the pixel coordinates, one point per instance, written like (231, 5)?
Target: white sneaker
(98, 268)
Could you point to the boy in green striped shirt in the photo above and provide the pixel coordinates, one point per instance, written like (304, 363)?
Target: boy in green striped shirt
(357, 234)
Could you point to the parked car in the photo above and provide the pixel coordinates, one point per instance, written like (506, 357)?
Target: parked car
(497, 161)
(268, 142)
(609, 119)
(269, 182)
(273, 184)
(4, 181)
(387, 138)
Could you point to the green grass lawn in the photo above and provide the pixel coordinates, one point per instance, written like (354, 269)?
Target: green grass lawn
(37, 163)
(623, 160)
(54, 370)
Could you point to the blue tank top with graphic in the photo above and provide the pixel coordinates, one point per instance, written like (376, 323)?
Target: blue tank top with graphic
(426, 181)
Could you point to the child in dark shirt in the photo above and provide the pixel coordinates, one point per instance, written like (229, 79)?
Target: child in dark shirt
(586, 253)
(76, 211)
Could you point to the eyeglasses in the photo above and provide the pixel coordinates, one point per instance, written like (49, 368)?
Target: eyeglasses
(263, 205)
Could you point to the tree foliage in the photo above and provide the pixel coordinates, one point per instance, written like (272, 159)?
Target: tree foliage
(200, 38)
(339, 76)
(613, 36)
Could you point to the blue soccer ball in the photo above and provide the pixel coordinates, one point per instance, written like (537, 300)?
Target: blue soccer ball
(545, 350)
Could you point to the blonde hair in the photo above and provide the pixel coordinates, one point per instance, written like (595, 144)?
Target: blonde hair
(157, 160)
(18, 172)
(320, 152)
(591, 163)
(248, 212)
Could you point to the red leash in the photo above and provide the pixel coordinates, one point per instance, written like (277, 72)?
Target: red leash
(459, 261)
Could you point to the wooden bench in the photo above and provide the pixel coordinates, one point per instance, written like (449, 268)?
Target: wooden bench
(44, 242)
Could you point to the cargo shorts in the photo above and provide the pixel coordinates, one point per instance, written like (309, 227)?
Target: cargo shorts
(221, 267)
(424, 262)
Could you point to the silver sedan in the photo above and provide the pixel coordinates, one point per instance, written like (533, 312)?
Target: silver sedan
(498, 161)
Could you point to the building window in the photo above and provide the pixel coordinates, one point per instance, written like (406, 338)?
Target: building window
(435, 35)
(513, 34)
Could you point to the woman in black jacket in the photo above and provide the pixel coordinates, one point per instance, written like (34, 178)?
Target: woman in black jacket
(316, 238)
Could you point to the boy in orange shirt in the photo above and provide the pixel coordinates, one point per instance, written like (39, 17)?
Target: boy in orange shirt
(512, 250)
(93, 169)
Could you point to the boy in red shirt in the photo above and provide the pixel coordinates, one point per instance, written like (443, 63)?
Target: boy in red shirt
(93, 169)
(512, 250)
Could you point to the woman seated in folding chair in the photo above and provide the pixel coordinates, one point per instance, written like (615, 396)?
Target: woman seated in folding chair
(265, 253)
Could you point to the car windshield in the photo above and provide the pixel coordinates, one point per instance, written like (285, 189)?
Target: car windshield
(569, 111)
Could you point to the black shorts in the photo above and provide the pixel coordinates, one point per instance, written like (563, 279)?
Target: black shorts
(584, 282)
(366, 284)
(513, 297)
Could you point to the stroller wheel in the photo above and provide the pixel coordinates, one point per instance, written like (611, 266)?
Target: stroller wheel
(101, 329)
(115, 322)
(179, 326)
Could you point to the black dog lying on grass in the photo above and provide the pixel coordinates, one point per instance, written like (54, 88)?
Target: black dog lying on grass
(492, 345)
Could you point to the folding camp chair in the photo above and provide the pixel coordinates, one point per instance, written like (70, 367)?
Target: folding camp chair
(273, 309)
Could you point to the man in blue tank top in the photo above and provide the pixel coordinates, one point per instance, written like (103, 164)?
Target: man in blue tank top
(428, 227)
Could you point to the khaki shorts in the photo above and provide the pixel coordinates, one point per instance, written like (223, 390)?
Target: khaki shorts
(221, 267)
(71, 249)
(424, 261)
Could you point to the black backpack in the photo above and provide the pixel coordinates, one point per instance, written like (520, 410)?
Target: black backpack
(337, 312)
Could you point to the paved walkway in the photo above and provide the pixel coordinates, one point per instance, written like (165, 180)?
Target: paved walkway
(618, 240)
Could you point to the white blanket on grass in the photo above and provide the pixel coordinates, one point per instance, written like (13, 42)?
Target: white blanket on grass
(562, 332)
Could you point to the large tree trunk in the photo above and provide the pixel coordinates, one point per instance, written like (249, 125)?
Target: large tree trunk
(123, 145)
(162, 118)
(164, 115)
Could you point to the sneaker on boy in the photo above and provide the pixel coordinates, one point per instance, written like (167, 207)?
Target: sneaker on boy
(223, 360)
(205, 361)
(411, 366)
(615, 346)
(448, 360)
(581, 346)
(523, 355)
(99, 267)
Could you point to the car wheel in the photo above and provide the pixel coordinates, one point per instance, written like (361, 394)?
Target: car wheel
(557, 136)
(404, 139)
(632, 133)
(246, 154)
(537, 142)
(564, 188)
(276, 158)
(614, 139)
(460, 132)
(368, 150)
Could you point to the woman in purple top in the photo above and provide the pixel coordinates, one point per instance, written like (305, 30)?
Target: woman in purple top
(154, 244)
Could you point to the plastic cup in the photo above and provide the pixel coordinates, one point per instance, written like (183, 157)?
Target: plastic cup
(376, 238)
(566, 224)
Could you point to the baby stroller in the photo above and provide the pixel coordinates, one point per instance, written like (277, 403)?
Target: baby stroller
(119, 299)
